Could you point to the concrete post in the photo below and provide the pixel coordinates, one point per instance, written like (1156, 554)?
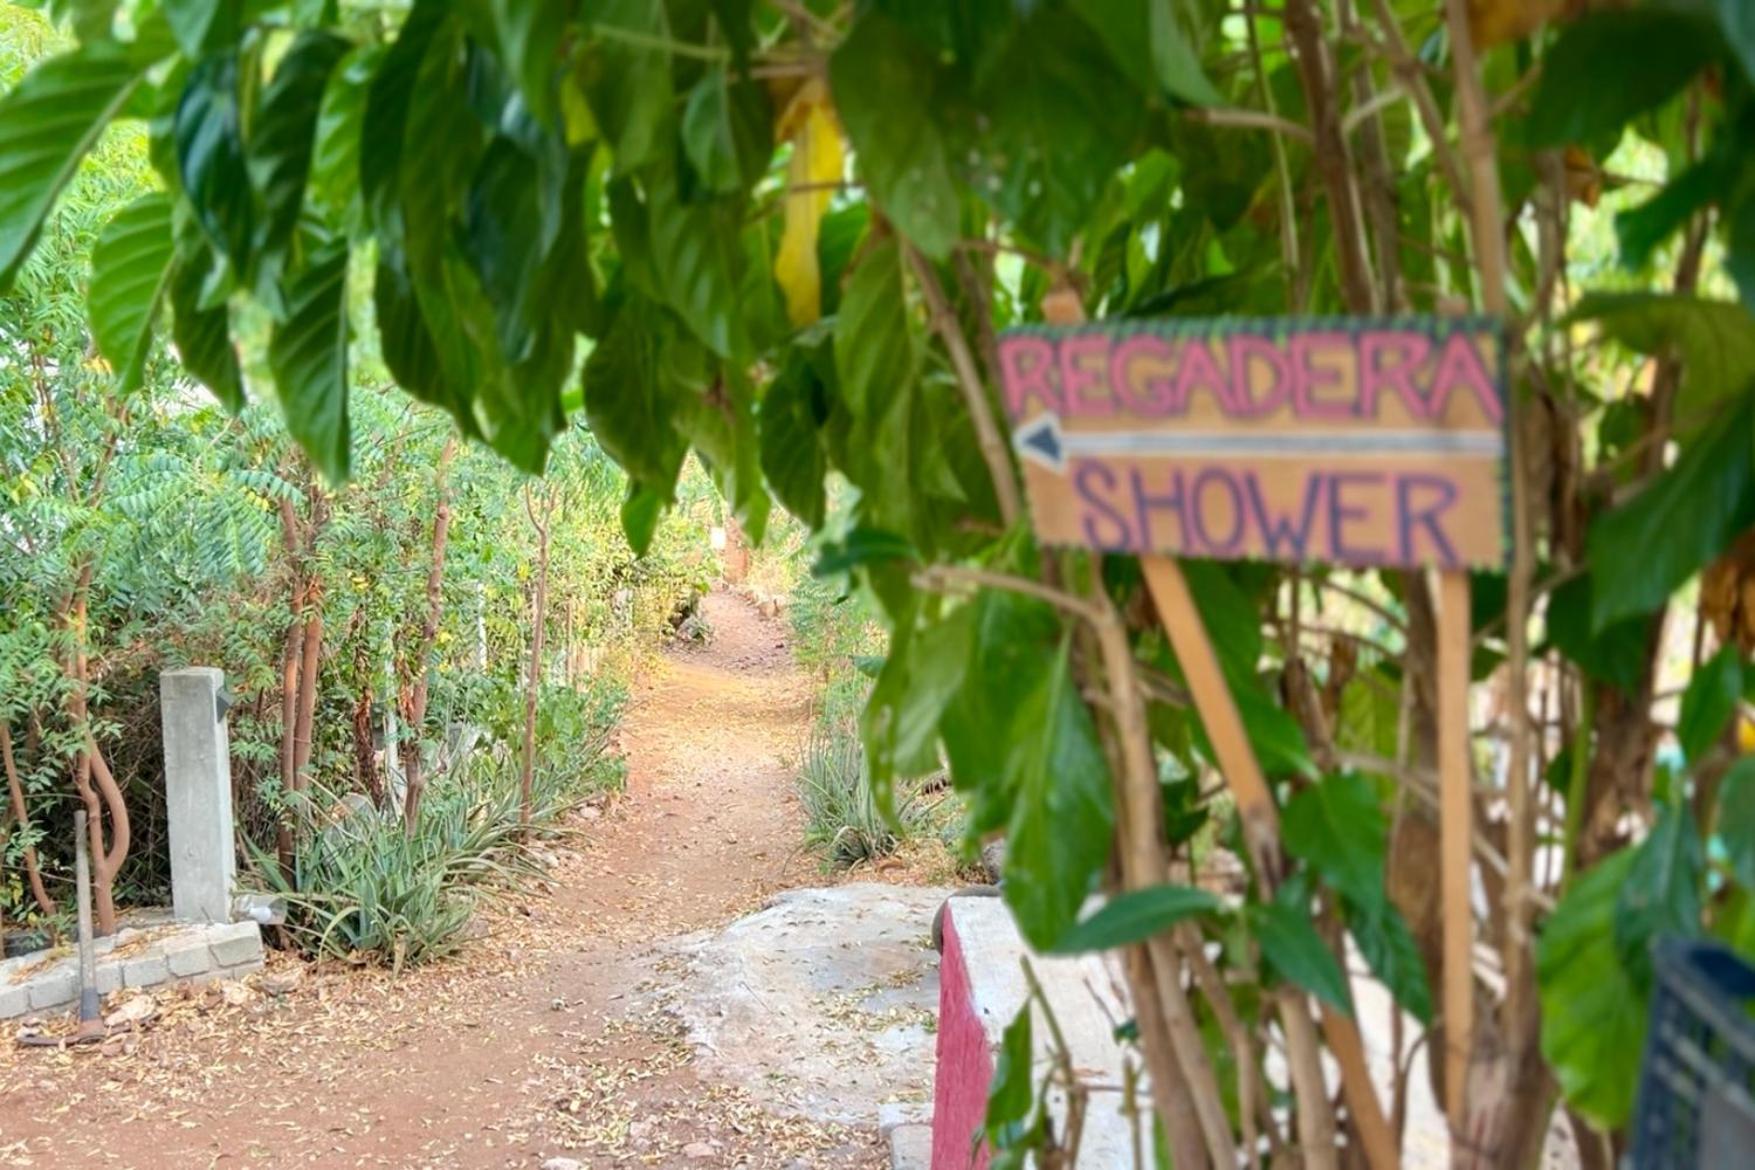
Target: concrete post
(198, 793)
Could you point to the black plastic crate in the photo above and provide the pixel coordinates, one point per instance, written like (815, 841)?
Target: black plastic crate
(1697, 1087)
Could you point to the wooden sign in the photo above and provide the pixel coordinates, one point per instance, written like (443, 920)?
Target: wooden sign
(1346, 441)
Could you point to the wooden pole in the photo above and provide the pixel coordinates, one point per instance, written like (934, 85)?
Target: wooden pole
(1456, 830)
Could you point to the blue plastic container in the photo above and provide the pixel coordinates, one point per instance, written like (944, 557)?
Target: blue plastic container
(1696, 1107)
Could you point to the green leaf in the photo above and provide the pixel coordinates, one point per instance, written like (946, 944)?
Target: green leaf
(202, 25)
(697, 258)
(1008, 1099)
(640, 517)
(1651, 53)
(530, 38)
(1736, 20)
(728, 132)
(203, 334)
(1062, 121)
(875, 353)
(1662, 893)
(1136, 916)
(1614, 654)
(885, 85)
(388, 98)
(1150, 46)
(1735, 826)
(921, 675)
(48, 121)
(627, 405)
(1390, 951)
(210, 157)
(308, 357)
(1709, 702)
(1337, 826)
(283, 134)
(1644, 228)
(863, 547)
(1062, 817)
(627, 80)
(1714, 339)
(1291, 946)
(1677, 524)
(1593, 1015)
(792, 413)
(130, 266)
(335, 160)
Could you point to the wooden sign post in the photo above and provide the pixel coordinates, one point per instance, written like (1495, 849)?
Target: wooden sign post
(1357, 442)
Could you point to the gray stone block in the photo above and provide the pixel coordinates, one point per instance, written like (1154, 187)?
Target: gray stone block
(54, 987)
(234, 943)
(14, 1000)
(109, 978)
(148, 970)
(911, 1147)
(188, 957)
(894, 1114)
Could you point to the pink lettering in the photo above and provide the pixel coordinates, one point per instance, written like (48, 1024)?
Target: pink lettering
(1024, 364)
(1406, 351)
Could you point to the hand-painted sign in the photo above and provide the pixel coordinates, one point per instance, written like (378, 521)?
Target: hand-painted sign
(1349, 441)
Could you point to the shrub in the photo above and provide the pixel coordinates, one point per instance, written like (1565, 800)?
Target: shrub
(843, 818)
(364, 890)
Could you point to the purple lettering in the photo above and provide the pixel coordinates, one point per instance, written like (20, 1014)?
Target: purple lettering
(1284, 538)
(1339, 512)
(1408, 515)
(1459, 364)
(1091, 480)
(1144, 504)
(1408, 351)
(1025, 363)
(1197, 512)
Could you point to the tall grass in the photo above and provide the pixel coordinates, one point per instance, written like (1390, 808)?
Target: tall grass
(842, 817)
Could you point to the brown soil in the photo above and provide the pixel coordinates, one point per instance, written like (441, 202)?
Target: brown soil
(540, 1040)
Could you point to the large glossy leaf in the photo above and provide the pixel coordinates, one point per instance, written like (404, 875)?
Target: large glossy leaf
(529, 35)
(1614, 654)
(335, 157)
(1709, 702)
(1062, 816)
(1593, 1015)
(1337, 826)
(48, 122)
(1736, 19)
(130, 268)
(202, 332)
(209, 130)
(1008, 1098)
(283, 134)
(921, 675)
(1662, 893)
(1714, 339)
(391, 93)
(728, 132)
(792, 413)
(884, 83)
(1292, 947)
(1643, 228)
(201, 26)
(1151, 47)
(1735, 825)
(1393, 956)
(1651, 53)
(697, 258)
(1062, 121)
(308, 357)
(1136, 916)
(628, 405)
(627, 80)
(874, 349)
(1678, 523)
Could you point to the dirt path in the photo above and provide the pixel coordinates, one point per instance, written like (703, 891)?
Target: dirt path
(541, 1041)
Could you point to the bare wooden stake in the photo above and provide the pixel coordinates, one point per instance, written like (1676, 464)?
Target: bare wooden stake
(1456, 830)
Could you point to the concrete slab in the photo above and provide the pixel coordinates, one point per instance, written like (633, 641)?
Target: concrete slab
(822, 1004)
(911, 1148)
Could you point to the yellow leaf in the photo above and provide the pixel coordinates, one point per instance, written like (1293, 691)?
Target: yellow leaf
(809, 123)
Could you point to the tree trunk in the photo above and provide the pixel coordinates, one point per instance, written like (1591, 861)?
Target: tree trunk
(415, 710)
(533, 682)
(291, 657)
(365, 756)
(92, 781)
(21, 815)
